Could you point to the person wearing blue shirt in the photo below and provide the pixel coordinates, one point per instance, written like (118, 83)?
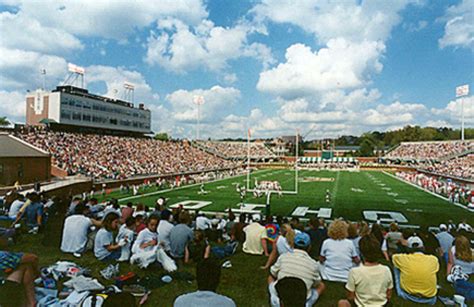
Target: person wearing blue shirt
(208, 274)
(104, 247)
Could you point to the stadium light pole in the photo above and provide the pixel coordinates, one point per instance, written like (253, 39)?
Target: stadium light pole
(461, 92)
(198, 100)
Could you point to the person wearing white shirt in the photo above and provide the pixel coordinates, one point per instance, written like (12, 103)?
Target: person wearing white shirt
(15, 207)
(126, 232)
(202, 222)
(147, 239)
(76, 228)
(164, 229)
(338, 254)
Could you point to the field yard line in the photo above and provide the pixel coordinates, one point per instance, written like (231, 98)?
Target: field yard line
(432, 193)
(180, 188)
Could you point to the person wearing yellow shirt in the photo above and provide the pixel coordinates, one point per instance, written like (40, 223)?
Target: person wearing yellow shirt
(415, 273)
(370, 284)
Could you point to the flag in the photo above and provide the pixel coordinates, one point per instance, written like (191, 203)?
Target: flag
(462, 90)
(249, 134)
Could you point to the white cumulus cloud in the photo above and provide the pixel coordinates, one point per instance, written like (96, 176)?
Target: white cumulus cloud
(459, 27)
(20, 32)
(179, 47)
(217, 101)
(352, 20)
(340, 65)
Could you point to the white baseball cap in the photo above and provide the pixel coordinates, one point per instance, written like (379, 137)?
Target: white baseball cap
(443, 226)
(415, 242)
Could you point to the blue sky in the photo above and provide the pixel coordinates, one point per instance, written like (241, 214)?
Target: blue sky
(332, 67)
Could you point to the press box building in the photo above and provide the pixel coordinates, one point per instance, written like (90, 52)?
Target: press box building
(71, 106)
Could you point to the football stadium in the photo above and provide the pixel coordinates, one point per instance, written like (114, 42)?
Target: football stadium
(191, 161)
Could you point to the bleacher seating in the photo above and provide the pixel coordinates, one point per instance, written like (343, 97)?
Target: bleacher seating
(237, 150)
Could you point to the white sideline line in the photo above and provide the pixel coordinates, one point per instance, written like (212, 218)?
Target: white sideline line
(181, 188)
(434, 194)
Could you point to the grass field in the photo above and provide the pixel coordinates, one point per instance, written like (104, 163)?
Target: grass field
(352, 194)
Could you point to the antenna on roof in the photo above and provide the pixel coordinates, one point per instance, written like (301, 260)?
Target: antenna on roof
(75, 76)
(129, 91)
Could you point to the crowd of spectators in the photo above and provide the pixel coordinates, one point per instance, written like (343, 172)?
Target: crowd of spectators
(238, 150)
(429, 150)
(459, 167)
(114, 157)
(332, 166)
(454, 191)
(370, 260)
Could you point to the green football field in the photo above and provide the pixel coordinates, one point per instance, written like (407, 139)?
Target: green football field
(364, 195)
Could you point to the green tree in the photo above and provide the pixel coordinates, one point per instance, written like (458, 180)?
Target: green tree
(366, 148)
(163, 136)
(4, 122)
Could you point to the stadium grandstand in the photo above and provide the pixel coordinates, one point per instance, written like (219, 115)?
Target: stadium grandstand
(118, 157)
(450, 159)
(423, 151)
(238, 150)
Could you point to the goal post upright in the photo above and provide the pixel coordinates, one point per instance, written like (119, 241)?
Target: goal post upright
(296, 161)
(248, 159)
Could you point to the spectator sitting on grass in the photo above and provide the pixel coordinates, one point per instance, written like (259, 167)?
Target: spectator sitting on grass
(33, 209)
(14, 207)
(126, 212)
(127, 232)
(318, 232)
(393, 237)
(371, 283)
(237, 231)
(300, 265)
(338, 254)
(72, 206)
(164, 229)
(75, 230)
(445, 240)
(208, 274)
(460, 254)
(415, 273)
(198, 249)
(255, 238)
(378, 232)
(292, 292)
(180, 235)
(104, 247)
(19, 269)
(147, 239)
(284, 243)
(353, 235)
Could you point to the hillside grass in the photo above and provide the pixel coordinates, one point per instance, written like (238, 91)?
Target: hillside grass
(245, 282)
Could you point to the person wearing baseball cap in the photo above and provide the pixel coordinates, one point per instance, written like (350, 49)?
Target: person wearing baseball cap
(445, 240)
(415, 273)
(297, 264)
